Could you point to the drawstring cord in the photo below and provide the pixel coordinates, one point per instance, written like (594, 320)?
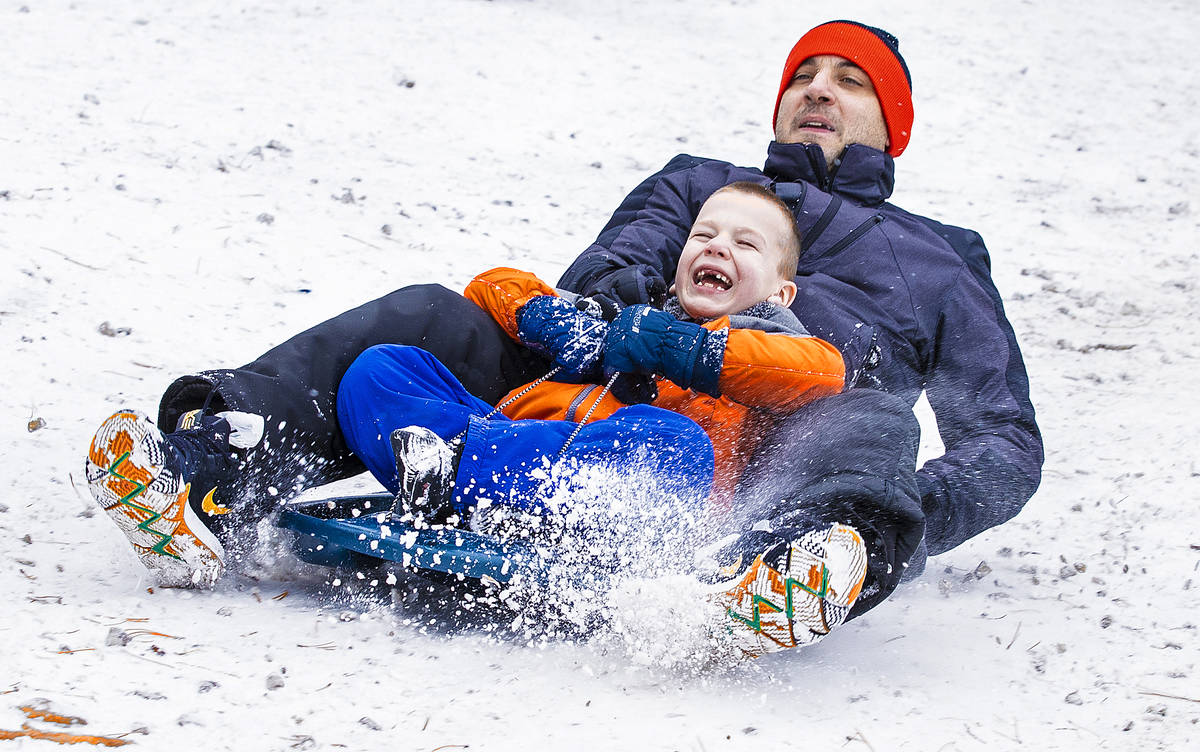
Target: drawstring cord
(526, 390)
(529, 388)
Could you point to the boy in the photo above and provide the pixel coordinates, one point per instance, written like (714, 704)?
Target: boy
(730, 355)
(738, 260)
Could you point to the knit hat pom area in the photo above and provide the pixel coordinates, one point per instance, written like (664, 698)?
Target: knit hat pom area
(878, 54)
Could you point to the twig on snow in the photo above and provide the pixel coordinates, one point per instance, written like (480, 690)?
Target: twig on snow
(1105, 346)
(1014, 637)
(50, 716)
(1170, 697)
(62, 737)
(73, 261)
(357, 240)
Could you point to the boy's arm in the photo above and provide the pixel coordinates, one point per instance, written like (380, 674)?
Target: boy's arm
(503, 291)
(777, 371)
(755, 368)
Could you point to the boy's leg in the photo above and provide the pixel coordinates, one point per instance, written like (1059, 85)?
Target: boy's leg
(395, 386)
(510, 462)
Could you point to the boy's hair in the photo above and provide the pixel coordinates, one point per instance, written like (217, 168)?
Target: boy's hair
(791, 252)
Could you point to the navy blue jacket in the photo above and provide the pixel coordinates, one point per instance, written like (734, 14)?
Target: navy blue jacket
(909, 302)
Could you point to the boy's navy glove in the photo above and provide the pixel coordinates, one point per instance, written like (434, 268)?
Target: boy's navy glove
(627, 286)
(574, 340)
(645, 340)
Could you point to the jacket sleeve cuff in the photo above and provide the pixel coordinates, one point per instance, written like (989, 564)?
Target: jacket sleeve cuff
(706, 375)
(935, 505)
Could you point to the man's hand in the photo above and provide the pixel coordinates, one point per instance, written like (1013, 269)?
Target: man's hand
(574, 340)
(628, 286)
(648, 341)
(635, 388)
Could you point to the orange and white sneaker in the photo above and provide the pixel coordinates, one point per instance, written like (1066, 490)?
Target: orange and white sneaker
(790, 594)
(156, 487)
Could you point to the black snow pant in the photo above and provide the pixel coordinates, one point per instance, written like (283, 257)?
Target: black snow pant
(294, 387)
(848, 458)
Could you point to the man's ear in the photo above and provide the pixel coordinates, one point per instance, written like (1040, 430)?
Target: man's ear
(785, 295)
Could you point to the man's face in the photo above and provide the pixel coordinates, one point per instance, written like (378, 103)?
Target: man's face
(732, 257)
(831, 103)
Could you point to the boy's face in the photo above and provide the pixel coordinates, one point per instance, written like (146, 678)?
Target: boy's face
(732, 256)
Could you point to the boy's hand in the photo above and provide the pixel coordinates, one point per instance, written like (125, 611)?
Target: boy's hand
(645, 340)
(574, 340)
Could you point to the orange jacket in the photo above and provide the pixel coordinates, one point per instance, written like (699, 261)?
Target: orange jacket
(763, 375)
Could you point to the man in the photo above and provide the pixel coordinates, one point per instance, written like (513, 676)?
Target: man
(908, 301)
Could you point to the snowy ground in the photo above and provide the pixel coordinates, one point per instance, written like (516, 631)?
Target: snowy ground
(202, 180)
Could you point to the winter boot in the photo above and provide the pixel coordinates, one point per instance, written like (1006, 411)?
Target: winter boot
(162, 491)
(777, 593)
(426, 464)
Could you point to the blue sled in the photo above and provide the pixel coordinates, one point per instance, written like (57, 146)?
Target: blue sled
(330, 534)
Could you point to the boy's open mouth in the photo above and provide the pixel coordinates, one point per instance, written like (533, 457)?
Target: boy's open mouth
(711, 278)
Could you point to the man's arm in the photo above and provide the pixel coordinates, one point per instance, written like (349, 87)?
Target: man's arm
(979, 391)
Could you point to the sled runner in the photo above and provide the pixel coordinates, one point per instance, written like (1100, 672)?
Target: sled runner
(355, 531)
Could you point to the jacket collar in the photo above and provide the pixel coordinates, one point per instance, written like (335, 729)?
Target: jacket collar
(763, 315)
(863, 175)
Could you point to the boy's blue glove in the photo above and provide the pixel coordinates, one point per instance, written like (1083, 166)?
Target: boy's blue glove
(574, 340)
(645, 340)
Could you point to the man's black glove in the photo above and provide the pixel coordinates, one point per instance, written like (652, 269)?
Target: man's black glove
(635, 388)
(627, 286)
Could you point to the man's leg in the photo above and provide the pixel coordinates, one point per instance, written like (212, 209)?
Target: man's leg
(849, 458)
(294, 386)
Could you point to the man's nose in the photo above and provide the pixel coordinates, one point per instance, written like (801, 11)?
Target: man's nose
(820, 89)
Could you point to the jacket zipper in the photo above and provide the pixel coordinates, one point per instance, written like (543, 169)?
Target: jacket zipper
(814, 232)
(853, 235)
(579, 398)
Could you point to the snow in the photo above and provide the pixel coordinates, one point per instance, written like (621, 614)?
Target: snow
(186, 184)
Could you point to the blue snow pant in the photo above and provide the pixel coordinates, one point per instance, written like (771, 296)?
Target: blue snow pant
(393, 386)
